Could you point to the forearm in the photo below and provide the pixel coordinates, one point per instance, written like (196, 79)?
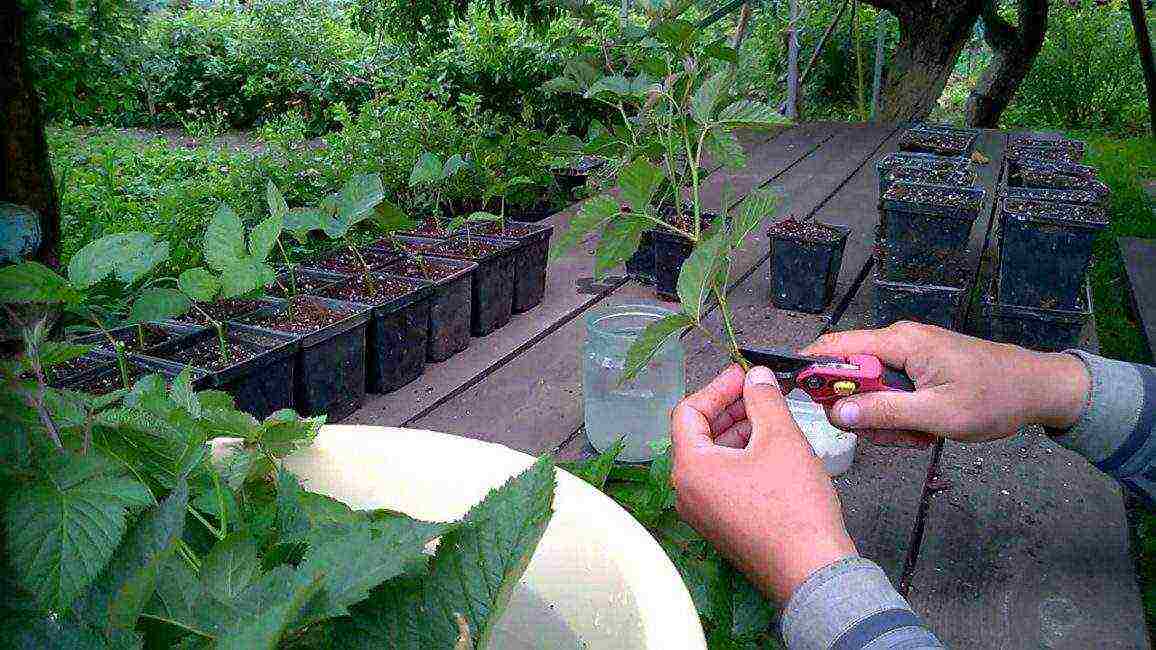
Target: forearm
(1115, 430)
(850, 604)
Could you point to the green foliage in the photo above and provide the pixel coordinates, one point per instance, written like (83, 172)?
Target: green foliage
(240, 269)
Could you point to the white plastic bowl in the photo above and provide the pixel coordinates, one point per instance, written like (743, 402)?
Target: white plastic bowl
(605, 576)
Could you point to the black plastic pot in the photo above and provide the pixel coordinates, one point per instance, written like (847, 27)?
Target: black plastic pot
(923, 231)
(308, 282)
(931, 304)
(93, 361)
(343, 262)
(942, 141)
(804, 271)
(898, 159)
(533, 213)
(156, 333)
(398, 329)
(450, 308)
(1044, 252)
(953, 177)
(492, 298)
(107, 378)
(260, 385)
(221, 310)
(640, 266)
(329, 371)
(1049, 330)
(670, 251)
(529, 262)
(1030, 145)
(1073, 197)
(1014, 156)
(574, 176)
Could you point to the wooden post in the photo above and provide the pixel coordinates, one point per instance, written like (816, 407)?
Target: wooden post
(1144, 45)
(880, 32)
(793, 63)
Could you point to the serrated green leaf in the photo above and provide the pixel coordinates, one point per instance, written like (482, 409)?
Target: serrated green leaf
(724, 147)
(301, 221)
(484, 217)
(638, 182)
(232, 567)
(158, 303)
(264, 629)
(758, 206)
(115, 601)
(677, 34)
(243, 276)
(700, 272)
(750, 114)
(751, 614)
(593, 213)
(224, 241)
(359, 197)
(559, 85)
(391, 219)
(199, 284)
(426, 169)
(721, 51)
(653, 338)
(181, 600)
(263, 237)
(596, 470)
(284, 432)
(98, 259)
(140, 262)
(620, 239)
(707, 96)
(34, 282)
(54, 353)
(276, 201)
(181, 392)
(60, 539)
(237, 467)
(453, 165)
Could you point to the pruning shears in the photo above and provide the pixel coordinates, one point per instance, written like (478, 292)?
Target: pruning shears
(826, 379)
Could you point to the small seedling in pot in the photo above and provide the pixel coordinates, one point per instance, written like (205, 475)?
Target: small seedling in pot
(128, 258)
(279, 209)
(431, 174)
(232, 269)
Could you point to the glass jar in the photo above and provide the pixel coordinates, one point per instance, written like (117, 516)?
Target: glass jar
(638, 410)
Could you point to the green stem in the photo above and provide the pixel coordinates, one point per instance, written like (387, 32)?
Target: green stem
(188, 555)
(221, 506)
(205, 522)
(364, 267)
(288, 269)
(140, 341)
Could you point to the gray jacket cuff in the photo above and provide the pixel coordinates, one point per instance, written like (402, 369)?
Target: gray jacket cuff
(851, 604)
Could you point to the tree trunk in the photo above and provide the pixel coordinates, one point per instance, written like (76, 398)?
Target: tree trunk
(1144, 46)
(25, 171)
(1015, 49)
(930, 40)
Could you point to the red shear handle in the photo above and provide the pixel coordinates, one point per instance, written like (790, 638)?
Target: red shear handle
(858, 373)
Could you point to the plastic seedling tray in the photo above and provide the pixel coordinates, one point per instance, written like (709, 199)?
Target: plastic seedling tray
(450, 308)
(529, 261)
(398, 330)
(155, 334)
(329, 367)
(1044, 252)
(931, 304)
(492, 298)
(804, 268)
(921, 161)
(923, 231)
(1074, 197)
(259, 373)
(953, 177)
(94, 360)
(1040, 329)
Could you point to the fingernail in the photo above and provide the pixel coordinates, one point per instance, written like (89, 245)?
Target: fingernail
(761, 376)
(847, 413)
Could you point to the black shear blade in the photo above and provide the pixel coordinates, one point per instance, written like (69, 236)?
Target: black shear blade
(785, 364)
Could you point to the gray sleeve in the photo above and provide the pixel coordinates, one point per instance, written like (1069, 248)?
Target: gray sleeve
(1115, 431)
(851, 605)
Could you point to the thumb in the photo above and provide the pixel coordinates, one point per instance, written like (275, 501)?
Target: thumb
(766, 407)
(890, 410)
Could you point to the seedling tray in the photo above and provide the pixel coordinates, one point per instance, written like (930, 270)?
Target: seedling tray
(260, 376)
(1040, 329)
(492, 300)
(1044, 252)
(450, 302)
(932, 304)
(529, 261)
(398, 333)
(329, 366)
(804, 268)
(924, 230)
(1073, 197)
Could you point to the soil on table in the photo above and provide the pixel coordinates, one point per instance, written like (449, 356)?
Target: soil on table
(685, 221)
(938, 141)
(1075, 213)
(221, 310)
(205, 352)
(805, 229)
(383, 290)
(62, 372)
(308, 284)
(154, 335)
(432, 270)
(932, 195)
(469, 248)
(305, 317)
(347, 263)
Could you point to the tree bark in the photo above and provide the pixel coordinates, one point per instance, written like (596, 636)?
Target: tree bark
(1015, 49)
(25, 170)
(1144, 46)
(931, 37)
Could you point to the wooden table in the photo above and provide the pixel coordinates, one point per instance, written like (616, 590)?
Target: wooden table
(1011, 544)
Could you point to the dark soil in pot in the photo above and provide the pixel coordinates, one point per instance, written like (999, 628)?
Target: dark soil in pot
(529, 260)
(538, 211)
(1074, 197)
(330, 362)
(109, 379)
(258, 373)
(345, 262)
(397, 338)
(155, 334)
(939, 142)
(924, 230)
(805, 261)
(946, 177)
(1050, 330)
(450, 303)
(931, 304)
(492, 300)
(926, 161)
(1072, 149)
(307, 282)
(1042, 154)
(1045, 250)
(61, 373)
(221, 311)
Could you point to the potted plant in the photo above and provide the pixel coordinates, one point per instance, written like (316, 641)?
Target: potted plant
(431, 175)
(1055, 175)
(806, 256)
(1045, 149)
(1045, 250)
(923, 229)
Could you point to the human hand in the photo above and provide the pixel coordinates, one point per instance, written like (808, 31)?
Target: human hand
(967, 389)
(747, 480)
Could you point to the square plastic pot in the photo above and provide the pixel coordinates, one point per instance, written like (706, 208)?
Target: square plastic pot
(1072, 150)
(107, 379)
(1049, 330)
(221, 310)
(1073, 197)
(398, 332)
(640, 266)
(156, 333)
(1044, 252)
(260, 385)
(670, 251)
(938, 140)
(931, 304)
(927, 161)
(60, 375)
(923, 232)
(329, 371)
(344, 262)
(308, 282)
(947, 177)
(450, 308)
(574, 176)
(529, 262)
(492, 298)
(804, 272)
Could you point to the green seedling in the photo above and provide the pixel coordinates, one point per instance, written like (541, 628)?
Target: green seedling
(431, 174)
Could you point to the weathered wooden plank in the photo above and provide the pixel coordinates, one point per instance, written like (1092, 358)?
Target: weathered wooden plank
(535, 399)
(1140, 264)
